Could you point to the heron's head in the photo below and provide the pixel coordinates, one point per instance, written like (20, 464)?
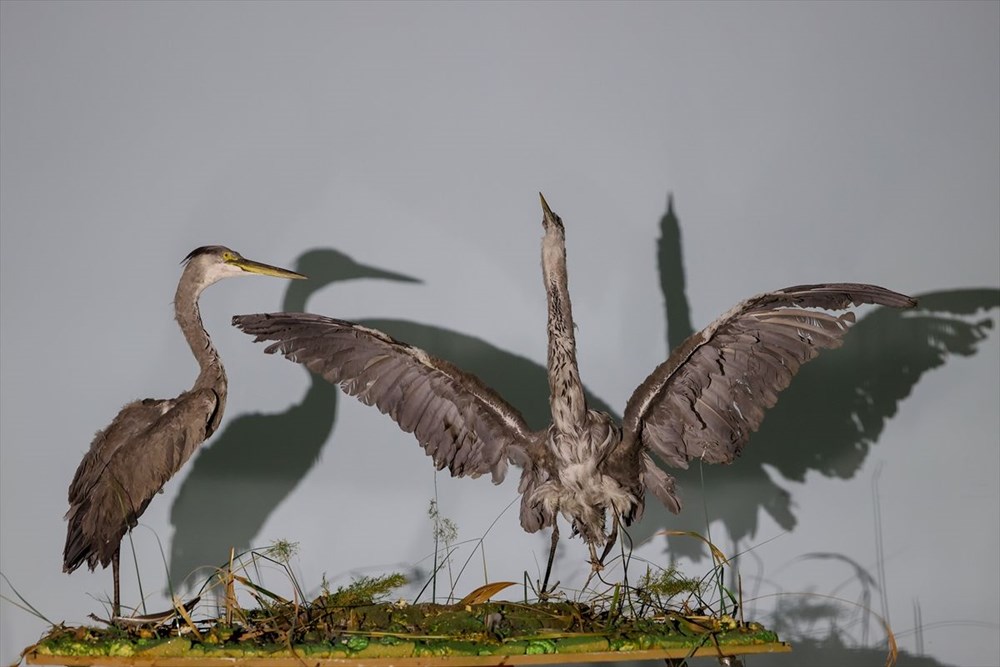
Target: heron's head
(551, 222)
(212, 263)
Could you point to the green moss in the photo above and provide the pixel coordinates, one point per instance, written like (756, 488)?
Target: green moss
(323, 629)
(443, 648)
(540, 647)
(380, 650)
(582, 645)
(172, 647)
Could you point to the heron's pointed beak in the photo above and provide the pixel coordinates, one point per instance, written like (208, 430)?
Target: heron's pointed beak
(260, 268)
(549, 218)
(545, 206)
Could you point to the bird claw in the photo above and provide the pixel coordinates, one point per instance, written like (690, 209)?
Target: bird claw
(545, 594)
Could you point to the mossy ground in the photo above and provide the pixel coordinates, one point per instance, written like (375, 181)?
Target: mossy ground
(662, 611)
(322, 629)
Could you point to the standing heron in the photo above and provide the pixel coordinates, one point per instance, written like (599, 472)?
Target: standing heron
(236, 474)
(150, 439)
(703, 402)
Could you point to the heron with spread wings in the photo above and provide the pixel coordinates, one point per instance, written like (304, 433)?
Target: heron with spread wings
(703, 402)
(150, 439)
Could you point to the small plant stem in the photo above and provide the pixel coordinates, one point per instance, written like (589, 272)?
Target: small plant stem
(230, 591)
(138, 578)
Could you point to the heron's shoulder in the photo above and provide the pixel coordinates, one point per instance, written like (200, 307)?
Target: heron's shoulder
(145, 417)
(194, 408)
(134, 418)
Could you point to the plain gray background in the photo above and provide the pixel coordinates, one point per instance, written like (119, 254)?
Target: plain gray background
(801, 142)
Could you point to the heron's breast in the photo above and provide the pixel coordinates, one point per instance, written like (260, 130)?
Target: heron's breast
(581, 483)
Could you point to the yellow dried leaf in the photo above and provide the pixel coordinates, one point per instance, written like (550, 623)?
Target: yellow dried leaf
(484, 593)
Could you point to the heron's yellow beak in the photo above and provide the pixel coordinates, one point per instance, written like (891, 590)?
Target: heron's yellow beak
(251, 266)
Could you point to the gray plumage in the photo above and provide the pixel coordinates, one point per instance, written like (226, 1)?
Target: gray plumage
(701, 403)
(150, 439)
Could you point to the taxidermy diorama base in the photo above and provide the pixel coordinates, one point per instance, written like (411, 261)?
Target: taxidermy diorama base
(663, 616)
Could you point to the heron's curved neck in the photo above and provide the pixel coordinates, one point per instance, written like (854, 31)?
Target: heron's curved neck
(566, 398)
(212, 374)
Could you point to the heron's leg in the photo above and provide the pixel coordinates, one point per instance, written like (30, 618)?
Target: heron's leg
(543, 592)
(116, 609)
(612, 539)
(597, 564)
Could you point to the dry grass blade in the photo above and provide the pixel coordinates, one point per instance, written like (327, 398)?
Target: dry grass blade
(720, 558)
(485, 592)
(699, 625)
(187, 618)
(26, 605)
(890, 636)
(260, 589)
(230, 588)
(893, 656)
(158, 618)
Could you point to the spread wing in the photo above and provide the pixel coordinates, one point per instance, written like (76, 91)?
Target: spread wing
(459, 421)
(712, 393)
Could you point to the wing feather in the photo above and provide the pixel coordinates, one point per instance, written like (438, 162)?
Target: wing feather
(712, 393)
(660, 483)
(460, 422)
(128, 463)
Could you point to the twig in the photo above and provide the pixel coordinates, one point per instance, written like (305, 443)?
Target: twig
(230, 588)
(187, 618)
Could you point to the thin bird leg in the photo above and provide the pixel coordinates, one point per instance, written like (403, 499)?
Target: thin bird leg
(597, 564)
(612, 539)
(543, 593)
(116, 610)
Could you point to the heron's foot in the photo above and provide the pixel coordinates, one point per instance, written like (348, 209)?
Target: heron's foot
(545, 594)
(596, 563)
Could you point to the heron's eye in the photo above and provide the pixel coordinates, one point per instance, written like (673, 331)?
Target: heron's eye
(228, 256)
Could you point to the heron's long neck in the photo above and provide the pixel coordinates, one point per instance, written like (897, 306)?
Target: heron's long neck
(212, 375)
(566, 399)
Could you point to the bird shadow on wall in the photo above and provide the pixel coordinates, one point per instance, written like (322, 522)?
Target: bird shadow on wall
(826, 421)
(830, 416)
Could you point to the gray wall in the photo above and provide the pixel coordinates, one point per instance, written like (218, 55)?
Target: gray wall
(802, 143)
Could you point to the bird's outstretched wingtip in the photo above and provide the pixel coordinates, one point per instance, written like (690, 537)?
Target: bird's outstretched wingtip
(242, 321)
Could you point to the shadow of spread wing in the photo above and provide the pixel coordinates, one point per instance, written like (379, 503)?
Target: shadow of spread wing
(713, 391)
(831, 416)
(460, 422)
(841, 404)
